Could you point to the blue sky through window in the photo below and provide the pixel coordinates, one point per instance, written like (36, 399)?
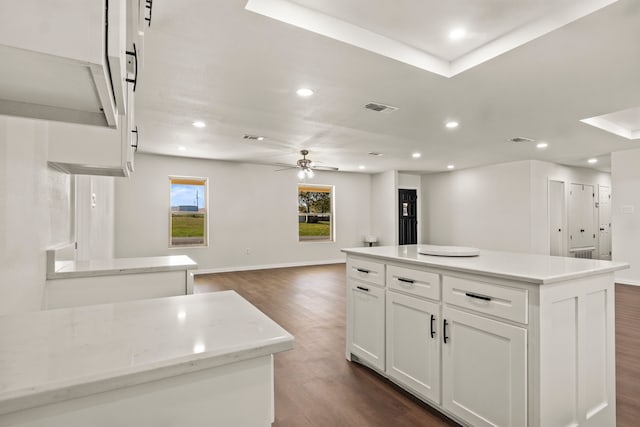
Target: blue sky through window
(187, 195)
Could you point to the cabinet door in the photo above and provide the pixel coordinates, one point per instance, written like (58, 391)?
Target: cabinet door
(366, 323)
(484, 375)
(413, 344)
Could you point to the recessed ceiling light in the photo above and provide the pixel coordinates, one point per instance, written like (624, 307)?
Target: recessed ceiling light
(182, 148)
(199, 124)
(592, 161)
(304, 92)
(361, 167)
(542, 145)
(416, 155)
(261, 138)
(452, 124)
(450, 166)
(457, 33)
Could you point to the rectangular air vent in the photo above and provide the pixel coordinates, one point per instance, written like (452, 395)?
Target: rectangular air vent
(380, 108)
(253, 137)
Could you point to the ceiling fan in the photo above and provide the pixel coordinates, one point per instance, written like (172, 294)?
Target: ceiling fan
(306, 166)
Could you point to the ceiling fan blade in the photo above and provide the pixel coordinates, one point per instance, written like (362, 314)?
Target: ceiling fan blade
(325, 168)
(285, 167)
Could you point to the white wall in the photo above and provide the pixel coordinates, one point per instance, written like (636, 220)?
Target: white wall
(384, 211)
(250, 206)
(35, 213)
(502, 207)
(95, 202)
(486, 207)
(625, 208)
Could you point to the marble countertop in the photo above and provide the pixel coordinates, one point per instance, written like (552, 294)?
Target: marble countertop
(532, 268)
(109, 267)
(56, 355)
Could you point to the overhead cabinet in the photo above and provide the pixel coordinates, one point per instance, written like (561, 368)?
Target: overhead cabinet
(64, 61)
(92, 150)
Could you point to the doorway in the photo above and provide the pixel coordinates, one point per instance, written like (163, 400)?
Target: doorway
(407, 217)
(604, 222)
(556, 218)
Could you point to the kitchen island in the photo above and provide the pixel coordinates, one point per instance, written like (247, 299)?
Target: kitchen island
(194, 360)
(73, 283)
(498, 339)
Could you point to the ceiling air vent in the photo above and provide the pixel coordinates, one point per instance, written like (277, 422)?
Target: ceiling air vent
(253, 137)
(374, 153)
(521, 139)
(380, 108)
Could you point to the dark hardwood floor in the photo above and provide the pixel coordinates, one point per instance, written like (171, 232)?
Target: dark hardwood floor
(316, 386)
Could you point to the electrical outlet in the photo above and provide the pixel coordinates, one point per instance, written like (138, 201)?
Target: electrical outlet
(247, 251)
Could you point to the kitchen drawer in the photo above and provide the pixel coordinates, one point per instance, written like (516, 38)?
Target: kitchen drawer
(414, 282)
(369, 271)
(496, 300)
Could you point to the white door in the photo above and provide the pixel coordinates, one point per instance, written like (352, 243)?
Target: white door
(556, 218)
(413, 344)
(604, 222)
(484, 370)
(581, 206)
(366, 307)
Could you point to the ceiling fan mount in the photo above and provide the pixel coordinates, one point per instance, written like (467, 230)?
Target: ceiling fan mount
(306, 167)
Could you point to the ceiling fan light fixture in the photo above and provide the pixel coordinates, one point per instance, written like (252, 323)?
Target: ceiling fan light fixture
(301, 174)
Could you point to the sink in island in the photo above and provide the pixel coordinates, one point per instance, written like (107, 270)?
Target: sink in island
(498, 339)
(193, 360)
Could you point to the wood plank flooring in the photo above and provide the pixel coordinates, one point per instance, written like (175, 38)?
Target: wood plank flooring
(316, 386)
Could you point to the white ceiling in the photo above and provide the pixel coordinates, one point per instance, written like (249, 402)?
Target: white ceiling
(238, 71)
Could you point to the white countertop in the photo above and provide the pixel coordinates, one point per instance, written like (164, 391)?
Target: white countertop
(540, 269)
(109, 267)
(55, 355)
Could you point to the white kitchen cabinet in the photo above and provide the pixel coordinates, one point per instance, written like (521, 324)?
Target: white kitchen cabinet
(93, 150)
(63, 61)
(365, 334)
(413, 344)
(484, 370)
(529, 338)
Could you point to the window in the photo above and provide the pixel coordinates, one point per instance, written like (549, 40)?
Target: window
(315, 213)
(188, 225)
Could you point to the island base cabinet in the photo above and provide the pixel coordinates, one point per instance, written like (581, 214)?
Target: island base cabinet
(366, 323)
(484, 370)
(237, 394)
(578, 354)
(413, 344)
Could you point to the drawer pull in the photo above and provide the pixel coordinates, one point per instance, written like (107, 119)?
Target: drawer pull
(433, 333)
(362, 270)
(362, 289)
(401, 279)
(445, 338)
(482, 297)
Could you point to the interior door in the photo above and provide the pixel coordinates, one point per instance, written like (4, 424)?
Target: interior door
(407, 217)
(556, 218)
(581, 219)
(604, 222)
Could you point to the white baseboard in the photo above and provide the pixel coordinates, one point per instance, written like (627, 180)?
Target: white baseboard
(266, 266)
